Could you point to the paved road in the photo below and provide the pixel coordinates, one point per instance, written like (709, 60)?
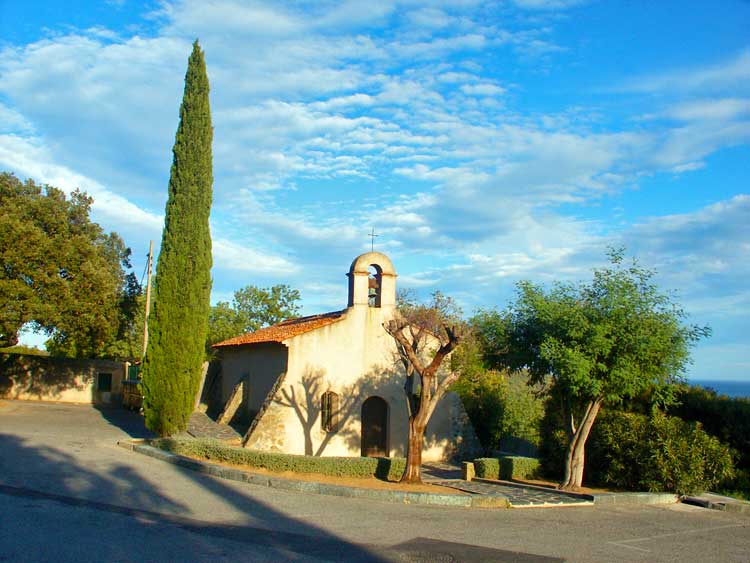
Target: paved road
(68, 493)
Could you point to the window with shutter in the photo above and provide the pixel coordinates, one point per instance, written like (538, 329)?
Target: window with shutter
(329, 409)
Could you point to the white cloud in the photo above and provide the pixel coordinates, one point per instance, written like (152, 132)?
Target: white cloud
(711, 109)
(29, 159)
(233, 256)
(245, 18)
(484, 89)
(732, 73)
(547, 4)
(13, 122)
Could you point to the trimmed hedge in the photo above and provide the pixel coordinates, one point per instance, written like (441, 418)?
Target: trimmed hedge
(506, 467)
(214, 450)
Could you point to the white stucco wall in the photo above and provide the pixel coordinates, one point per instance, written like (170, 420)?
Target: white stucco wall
(356, 358)
(261, 363)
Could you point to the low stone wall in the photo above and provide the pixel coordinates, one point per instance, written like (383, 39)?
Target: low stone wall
(42, 378)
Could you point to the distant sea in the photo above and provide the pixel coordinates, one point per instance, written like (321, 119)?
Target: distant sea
(730, 388)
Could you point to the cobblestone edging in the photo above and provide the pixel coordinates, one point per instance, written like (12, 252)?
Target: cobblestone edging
(400, 497)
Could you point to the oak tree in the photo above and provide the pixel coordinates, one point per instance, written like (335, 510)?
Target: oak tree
(252, 308)
(60, 272)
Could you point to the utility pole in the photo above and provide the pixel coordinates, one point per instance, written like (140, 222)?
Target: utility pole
(148, 295)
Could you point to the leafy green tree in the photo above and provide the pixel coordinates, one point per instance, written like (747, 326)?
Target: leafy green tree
(252, 308)
(178, 323)
(600, 343)
(60, 272)
(505, 412)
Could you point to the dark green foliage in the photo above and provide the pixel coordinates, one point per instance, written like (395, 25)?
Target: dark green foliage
(487, 467)
(553, 441)
(213, 450)
(656, 453)
(60, 271)
(507, 467)
(178, 323)
(24, 351)
(252, 308)
(504, 410)
(724, 417)
(518, 467)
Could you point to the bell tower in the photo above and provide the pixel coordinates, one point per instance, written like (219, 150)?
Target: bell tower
(372, 281)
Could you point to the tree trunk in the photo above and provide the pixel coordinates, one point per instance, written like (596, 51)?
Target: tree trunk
(575, 458)
(413, 470)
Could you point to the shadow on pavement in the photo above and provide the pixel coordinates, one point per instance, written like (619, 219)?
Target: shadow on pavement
(73, 483)
(39, 474)
(129, 422)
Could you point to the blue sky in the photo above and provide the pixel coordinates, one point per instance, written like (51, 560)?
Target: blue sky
(486, 142)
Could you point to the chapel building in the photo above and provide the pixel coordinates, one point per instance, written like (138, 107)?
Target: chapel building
(333, 384)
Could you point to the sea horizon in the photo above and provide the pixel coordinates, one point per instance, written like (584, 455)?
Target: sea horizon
(734, 388)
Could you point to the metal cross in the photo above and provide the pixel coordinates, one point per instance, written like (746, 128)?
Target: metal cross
(372, 236)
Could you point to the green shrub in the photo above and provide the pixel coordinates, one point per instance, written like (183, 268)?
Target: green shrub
(725, 417)
(214, 450)
(686, 459)
(506, 467)
(487, 467)
(632, 451)
(618, 450)
(518, 467)
(656, 453)
(504, 410)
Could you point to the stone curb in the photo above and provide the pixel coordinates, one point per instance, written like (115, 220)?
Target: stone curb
(598, 498)
(738, 506)
(400, 497)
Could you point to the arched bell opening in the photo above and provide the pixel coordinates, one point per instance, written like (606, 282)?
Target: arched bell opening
(374, 286)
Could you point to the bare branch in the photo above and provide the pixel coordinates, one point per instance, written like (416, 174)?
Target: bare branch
(397, 332)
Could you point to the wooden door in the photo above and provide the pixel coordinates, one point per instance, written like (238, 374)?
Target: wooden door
(375, 428)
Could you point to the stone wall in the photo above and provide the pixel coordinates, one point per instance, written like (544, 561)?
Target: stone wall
(43, 378)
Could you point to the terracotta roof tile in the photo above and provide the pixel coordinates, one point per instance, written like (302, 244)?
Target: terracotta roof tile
(284, 330)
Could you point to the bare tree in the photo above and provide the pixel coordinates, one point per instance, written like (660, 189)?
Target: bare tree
(417, 330)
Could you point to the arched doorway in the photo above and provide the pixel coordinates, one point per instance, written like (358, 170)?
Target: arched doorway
(375, 427)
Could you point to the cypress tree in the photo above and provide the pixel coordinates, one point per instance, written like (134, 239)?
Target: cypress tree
(179, 319)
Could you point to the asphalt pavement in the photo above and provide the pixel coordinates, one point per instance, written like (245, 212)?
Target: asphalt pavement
(68, 493)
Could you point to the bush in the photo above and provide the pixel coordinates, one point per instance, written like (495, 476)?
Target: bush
(724, 417)
(503, 409)
(487, 467)
(506, 467)
(656, 453)
(634, 452)
(686, 458)
(214, 450)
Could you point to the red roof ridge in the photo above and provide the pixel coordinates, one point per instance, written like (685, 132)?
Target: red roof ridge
(284, 330)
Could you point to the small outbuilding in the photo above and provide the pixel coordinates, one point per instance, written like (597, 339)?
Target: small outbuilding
(332, 384)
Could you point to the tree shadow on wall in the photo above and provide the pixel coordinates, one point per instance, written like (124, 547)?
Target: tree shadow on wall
(305, 401)
(38, 376)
